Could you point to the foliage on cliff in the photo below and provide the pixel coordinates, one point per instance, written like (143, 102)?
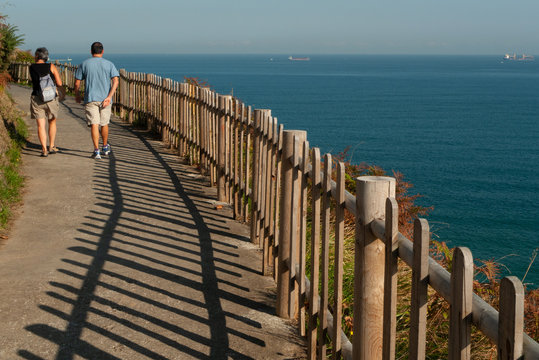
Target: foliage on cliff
(488, 271)
(13, 130)
(9, 40)
(13, 133)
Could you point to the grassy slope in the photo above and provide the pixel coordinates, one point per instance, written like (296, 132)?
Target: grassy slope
(13, 132)
(438, 308)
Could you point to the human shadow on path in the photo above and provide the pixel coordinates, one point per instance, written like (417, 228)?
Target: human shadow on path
(150, 272)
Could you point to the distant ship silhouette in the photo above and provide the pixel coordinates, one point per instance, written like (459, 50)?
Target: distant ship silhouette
(291, 58)
(524, 57)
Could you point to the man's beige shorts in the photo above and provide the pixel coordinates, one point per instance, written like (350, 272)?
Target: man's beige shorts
(43, 110)
(97, 115)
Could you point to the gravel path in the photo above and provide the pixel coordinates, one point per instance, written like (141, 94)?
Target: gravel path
(126, 258)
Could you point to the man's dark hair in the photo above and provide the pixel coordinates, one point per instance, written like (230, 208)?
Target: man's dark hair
(42, 54)
(97, 48)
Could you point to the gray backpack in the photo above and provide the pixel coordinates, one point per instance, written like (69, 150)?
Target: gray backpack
(47, 87)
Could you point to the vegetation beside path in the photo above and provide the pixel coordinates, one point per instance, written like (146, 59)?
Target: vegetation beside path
(13, 133)
(487, 275)
(13, 130)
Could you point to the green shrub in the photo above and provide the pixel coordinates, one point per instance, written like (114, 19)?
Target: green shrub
(14, 134)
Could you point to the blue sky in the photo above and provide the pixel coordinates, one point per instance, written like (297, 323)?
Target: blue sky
(279, 26)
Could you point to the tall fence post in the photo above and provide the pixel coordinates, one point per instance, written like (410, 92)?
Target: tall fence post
(460, 310)
(147, 100)
(131, 97)
(390, 275)
(221, 138)
(371, 195)
(255, 219)
(288, 209)
(122, 91)
(511, 325)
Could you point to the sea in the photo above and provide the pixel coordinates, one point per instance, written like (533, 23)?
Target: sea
(464, 130)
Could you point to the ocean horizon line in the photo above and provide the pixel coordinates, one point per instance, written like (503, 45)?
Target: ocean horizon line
(293, 54)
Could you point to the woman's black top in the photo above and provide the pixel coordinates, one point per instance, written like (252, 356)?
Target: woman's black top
(37, 71)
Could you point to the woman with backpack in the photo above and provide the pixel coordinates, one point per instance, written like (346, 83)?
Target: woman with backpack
(44, 100)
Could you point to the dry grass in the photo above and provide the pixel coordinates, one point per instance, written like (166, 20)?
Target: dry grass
(438, 309)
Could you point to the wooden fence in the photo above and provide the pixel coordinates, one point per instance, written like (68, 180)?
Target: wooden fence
(267, 175)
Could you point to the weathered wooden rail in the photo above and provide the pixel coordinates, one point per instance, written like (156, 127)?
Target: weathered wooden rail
(266, 174)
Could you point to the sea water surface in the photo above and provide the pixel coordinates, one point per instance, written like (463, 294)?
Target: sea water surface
(463, 129)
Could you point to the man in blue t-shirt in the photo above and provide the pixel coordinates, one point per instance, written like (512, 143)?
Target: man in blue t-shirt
(100, 82)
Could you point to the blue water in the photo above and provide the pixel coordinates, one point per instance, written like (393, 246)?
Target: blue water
(463, 129)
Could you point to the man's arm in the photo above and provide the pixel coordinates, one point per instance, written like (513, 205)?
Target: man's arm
(113, 88)
(77, 91)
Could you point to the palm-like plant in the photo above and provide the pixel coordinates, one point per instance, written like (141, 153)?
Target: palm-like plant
(9, 40)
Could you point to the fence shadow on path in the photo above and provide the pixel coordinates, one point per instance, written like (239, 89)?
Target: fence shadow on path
(155, 271)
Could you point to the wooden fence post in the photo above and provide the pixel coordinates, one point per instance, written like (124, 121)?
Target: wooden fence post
(205, 160)
(420, 273)
(314, 308)
(255, 218)
(460, 317)
(338, 259)
(236, 183)
(278, 159)
(274, 203)
(248, 167)
(131, 86)
(390, 275)
(221, 138)
(122, 92)
(147, 92)
(303, 238)
(243, 186)
(266, 199)
(324, 275)
(511, 325)
(286, 213)
(371, 195)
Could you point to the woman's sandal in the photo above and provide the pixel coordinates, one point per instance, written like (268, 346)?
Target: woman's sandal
(53, 150)
(44, 154)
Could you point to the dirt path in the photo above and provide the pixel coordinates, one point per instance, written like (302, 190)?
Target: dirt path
(125, 258)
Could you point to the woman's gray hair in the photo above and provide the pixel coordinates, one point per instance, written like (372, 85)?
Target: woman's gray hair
(42, 54)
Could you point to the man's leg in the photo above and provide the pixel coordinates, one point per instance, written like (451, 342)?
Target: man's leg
(92, 117)
(105, 120)
(105, 134)
(95, 136)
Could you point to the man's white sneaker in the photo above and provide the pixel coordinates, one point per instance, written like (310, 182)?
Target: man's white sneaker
(106, 149)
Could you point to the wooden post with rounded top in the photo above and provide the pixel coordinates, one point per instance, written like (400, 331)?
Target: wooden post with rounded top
(287, 211)
(371, 195)
(131, 97)
(147, 100)
(122, 93)
(460, 310)
(255, 219)
(221, 138)
(511, 323)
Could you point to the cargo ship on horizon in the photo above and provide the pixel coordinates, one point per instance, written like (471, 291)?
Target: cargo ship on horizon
(292, 58)
(514, 57)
